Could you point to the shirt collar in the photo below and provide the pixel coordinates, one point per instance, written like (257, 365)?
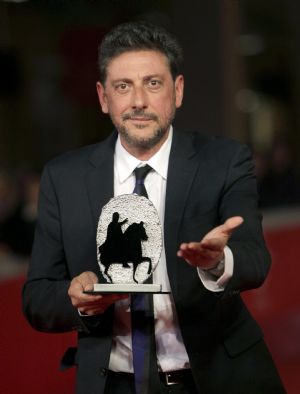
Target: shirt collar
(125, 163)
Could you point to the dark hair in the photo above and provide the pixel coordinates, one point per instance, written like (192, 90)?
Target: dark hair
(136, 36)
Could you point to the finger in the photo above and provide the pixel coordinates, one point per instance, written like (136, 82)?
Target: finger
(80, 282)
(213, 244)
(87, 278)
(78, 297)
(190, 246)
(77, 289)
(231, 224)
(185, 249)
(86, 300)
(101, 305)
(179, 253)
(89, 287)
(202, 254)
(100, 300)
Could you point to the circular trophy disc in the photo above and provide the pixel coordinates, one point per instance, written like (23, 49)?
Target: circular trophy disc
(129, 239)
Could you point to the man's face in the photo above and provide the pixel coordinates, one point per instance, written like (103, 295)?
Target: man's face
(141, 98)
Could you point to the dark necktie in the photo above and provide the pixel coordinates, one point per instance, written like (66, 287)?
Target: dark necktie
(142, 323)
(140, 175)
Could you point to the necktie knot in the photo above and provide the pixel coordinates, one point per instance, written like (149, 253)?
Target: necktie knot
(142, 172)
(140, 175)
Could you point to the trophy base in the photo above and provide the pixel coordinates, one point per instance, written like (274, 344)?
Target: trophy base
(125, 288)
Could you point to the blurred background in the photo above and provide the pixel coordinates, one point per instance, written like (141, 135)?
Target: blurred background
(242, 73)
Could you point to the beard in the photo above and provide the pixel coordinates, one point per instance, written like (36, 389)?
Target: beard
(137, 141)
(145, 143)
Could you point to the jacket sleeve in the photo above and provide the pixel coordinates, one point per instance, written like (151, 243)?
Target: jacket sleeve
(239, 198)
(46, 303)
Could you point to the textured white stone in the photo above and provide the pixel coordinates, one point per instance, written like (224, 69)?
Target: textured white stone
(135, 208)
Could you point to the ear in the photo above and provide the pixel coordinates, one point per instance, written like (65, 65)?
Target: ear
(102, 97)
(179, 88)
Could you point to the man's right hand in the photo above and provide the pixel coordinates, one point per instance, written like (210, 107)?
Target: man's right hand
(87, 303)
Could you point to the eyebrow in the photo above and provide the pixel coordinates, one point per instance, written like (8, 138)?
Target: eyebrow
(147, 77)
(128, 80)
(119, 80)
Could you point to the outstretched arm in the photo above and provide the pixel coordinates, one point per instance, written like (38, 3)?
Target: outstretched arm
(238, 226)
(208, 252)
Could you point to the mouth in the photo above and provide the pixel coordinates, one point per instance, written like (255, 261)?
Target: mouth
(140, 123)
(140, 117)
(137, 119)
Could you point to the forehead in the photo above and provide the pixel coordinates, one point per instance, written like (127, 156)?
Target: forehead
(138, 63)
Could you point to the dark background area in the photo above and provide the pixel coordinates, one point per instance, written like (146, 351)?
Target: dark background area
(242, 80)
(241, 73)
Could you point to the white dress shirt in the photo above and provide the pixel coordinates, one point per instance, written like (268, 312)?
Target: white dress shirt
(171, 352)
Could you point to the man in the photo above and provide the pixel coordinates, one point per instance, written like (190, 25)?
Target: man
(205, 193)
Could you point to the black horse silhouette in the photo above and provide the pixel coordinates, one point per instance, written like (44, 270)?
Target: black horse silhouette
(124, 249)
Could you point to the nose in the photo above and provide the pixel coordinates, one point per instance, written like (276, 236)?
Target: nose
(139, 98)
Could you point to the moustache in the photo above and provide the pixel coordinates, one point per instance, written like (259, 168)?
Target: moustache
(140, 114)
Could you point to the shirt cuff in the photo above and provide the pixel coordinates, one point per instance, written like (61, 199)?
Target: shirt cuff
(210, 281)
(82, 314)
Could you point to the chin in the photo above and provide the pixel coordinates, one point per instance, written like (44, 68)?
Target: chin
(142, 138)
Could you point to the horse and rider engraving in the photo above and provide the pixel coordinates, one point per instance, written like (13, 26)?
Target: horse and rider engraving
(124, 248)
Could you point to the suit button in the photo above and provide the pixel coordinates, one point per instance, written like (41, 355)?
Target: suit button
(103, 371)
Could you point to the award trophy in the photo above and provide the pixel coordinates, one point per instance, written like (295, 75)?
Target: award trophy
(129, 245)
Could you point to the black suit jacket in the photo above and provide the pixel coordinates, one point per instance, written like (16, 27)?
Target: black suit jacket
(209, 180)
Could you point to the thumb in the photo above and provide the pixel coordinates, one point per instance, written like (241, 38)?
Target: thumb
(231, 224)
(89, 287)
(87, 277)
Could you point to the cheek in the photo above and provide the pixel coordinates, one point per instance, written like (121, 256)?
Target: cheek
(165, 107)
(116, 108)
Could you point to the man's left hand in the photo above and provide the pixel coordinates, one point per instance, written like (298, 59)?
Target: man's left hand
(207, 253)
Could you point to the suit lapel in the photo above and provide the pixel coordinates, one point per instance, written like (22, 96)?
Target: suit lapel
(183, 165)
(100, 179)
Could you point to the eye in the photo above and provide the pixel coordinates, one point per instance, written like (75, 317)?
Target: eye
(154, 84)
(122, 87)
